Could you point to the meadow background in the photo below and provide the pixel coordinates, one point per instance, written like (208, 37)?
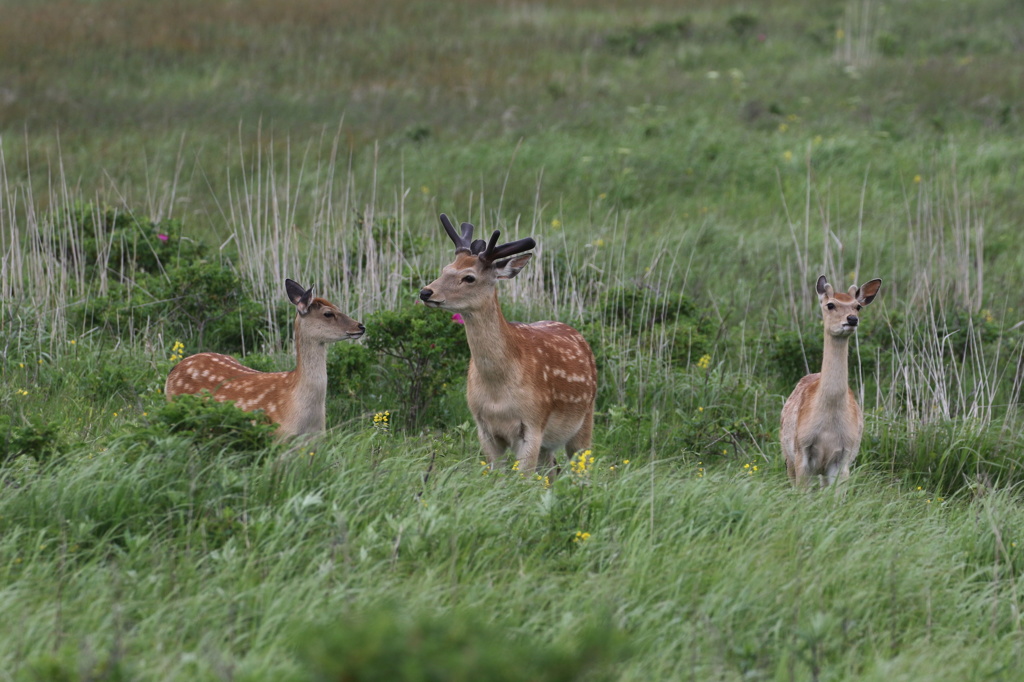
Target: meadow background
(688, 170)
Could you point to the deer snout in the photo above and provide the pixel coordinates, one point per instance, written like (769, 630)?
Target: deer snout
(362, 327)
(425, 294)
(851, 320)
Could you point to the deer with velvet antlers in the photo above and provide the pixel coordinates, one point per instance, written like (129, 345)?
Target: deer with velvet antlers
(530, 387)
(294, 400)
(822, 423)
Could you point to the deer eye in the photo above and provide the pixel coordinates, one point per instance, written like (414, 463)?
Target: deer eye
(469, 279)
(328, 314)
(859, 307)
(831, 306)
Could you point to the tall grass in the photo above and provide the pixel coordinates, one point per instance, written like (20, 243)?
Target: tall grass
(688, 171)
(177, 567)
(934, 352)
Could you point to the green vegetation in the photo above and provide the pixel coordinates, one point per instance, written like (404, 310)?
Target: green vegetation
(688, 169)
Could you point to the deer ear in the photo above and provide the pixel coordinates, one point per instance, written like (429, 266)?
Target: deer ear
(300, 297)
(510, 267)
(823, 288)
(867, 292)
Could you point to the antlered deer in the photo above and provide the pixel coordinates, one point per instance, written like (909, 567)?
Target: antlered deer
(295, 400)
(821, 420)
(531, 387)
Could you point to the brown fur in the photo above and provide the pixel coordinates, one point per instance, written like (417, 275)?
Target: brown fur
(531, 387)
(822, 423)
(294, 400)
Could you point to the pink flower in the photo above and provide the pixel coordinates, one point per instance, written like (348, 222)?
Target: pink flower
(162, 237)
(457, 319)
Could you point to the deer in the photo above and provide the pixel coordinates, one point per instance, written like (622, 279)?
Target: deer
(822, 423)
(295, 400)
(530, 387)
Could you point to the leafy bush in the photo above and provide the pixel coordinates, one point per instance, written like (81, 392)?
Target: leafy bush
(388, 644)
(263, 363)
(115, 378)
(421, 352)
(350, 367)
(793, 354)
(38, 439)
(202, 299)
(120, 240)
(637, 41)
(742, 24)
(212, 425)
(77, 664)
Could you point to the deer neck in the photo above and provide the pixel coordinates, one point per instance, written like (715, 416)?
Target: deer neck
(835, 373)
(310, 375)
(490, 340)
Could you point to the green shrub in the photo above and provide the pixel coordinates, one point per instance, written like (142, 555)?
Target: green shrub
(204, 300)
(264, 363)
(637, 41)
(37, 438)
(386, 643)
(421, 353)
(76, 664)
(122, 241)
(742, 25)
(792, 355)
(350, 367)
(214, 426)
(112, 377)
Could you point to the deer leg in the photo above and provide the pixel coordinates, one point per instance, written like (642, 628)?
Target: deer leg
(546, 458)
(493, 446)
(581, 440)
(802, 465)
(839, 474)
(528, 449)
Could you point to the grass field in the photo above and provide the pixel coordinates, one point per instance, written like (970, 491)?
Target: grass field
(688, 170)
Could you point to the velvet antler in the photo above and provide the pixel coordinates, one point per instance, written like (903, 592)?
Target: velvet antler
(488, 251)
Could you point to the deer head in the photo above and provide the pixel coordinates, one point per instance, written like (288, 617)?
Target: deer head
(840, 311)
(320, 320)
(469, 281)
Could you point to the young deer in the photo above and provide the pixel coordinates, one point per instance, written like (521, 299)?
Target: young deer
(531, 387)
(294, 400)
(821, 420)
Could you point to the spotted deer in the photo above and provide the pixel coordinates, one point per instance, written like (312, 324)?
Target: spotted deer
(821, 420)
(294, 400)
(530, 387)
